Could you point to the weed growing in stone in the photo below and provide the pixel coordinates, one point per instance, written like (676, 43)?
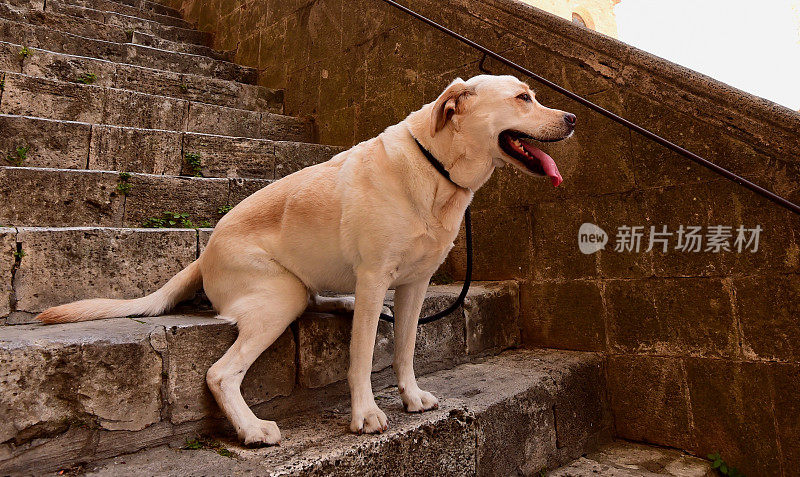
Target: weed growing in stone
(723, 467)
(194, 162)
(19, 254)
(25, 52)
(204, 443)
(184, 87)
(86, 78)
(123, 186)
(19, 156)
(224, 209)
(169, 220)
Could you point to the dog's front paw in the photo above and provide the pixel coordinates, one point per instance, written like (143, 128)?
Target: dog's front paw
(417, 400)
(260, 433)
(370, 420)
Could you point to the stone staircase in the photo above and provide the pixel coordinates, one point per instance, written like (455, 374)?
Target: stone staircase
(113, 113)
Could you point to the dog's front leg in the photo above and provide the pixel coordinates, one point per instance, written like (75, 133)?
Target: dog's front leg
(407, 306)
(370, 292)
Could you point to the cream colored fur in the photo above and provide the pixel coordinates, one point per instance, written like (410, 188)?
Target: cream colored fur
(375, 217)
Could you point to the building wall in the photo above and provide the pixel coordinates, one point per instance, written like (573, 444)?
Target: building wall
(703, 349)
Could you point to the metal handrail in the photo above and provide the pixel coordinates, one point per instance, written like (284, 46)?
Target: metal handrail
(614, 117)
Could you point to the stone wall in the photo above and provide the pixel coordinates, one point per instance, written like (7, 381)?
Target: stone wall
(702, 347)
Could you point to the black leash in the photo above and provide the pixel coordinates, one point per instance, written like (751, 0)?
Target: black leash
(468, 236)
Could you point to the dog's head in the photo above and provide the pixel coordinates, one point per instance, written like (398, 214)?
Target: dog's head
(500, 116)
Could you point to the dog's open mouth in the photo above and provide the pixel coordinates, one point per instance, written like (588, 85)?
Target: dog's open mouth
(517, 145)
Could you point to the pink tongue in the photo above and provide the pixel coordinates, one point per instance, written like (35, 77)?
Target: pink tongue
(548, 164)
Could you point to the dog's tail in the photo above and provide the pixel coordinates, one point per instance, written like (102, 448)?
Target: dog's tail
(178, 288)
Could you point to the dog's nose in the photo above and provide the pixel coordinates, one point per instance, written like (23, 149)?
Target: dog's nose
(570, 119)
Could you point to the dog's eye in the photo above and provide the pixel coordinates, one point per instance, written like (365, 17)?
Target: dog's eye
(525, 97)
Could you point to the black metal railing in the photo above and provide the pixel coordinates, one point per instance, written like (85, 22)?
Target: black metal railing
(614, 117)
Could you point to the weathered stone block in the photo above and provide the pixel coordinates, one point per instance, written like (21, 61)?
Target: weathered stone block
(673, 317)
(786, 395)
(650, 399)
(768, 307)
(62, 198)
(28, 96)
(224, 156)
(555, 251)
(612, 212)
(53, 379)
(9, 58)
(211, 119)
(129, 108)
(441, 344)
(292, 156)
(97, 262)
(324, 348)
(56, 66)
(135, 150)
(8, 246)
(563, 315)
(241, 189)
(57, 144)
(150, 196)
(287, 128)
(193, 347)
(501, 240)
(731, 405)
(491, 312)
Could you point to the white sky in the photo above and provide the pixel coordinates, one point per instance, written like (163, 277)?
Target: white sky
(753, 45)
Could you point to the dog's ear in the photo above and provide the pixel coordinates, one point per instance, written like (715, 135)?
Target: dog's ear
(449, 103)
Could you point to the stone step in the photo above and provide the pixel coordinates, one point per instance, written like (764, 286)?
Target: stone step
(627, 459)
(513, 414)
(185, 34)
(168, 17)
(35, 37)
(60, 25)
(72, 145)
(78, 198)
(69, 68)
(59, 410)
(148, 6)
(25, 95)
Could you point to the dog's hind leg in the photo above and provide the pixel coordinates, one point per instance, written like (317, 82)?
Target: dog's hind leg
(336, 304)
(262, 316)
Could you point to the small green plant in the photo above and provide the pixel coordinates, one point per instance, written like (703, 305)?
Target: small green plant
(184, 87)
(205, 224)
(86, 78)
(19, 254)
(224, 209)
(25, 52)
(3, 83)
(723, 467)
(169, 220)
(194, 162)
(19, 156)
(123, 186)
(204, 443)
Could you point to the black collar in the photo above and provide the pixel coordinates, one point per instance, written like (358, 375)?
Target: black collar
(436, 164)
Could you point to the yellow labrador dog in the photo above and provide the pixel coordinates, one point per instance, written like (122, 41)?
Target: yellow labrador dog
(381, 215)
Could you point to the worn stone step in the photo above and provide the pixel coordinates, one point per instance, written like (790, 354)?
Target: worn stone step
(204, 89)
(131, 23)
(627, 459)
(25, 95)
(58, 410)
(80, 198)
(73, 145)
(60, 24)
(168, 17)
(513, 414)
(35, 37)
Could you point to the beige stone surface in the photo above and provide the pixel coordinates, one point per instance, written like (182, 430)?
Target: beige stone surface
(135, 150)
(66, 264)
(59, 144)
(8, 246)
(61, 198)
(224, 156)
